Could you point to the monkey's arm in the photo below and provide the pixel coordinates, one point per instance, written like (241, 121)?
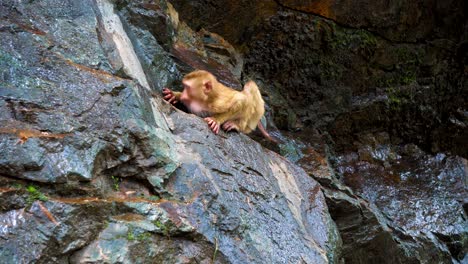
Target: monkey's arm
(171, 96)
(177, 95)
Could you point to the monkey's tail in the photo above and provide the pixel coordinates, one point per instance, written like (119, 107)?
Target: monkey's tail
(265, 133)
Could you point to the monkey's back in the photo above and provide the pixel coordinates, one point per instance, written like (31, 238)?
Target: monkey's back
(254, 108)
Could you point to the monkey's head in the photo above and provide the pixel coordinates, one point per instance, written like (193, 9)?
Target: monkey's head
(198, 86)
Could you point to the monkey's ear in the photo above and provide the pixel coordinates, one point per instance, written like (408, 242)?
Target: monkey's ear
(208, 87)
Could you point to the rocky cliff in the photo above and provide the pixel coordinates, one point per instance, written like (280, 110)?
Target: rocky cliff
(369, 101)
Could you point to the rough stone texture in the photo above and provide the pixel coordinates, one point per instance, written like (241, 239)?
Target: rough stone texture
(365, 231)
(394, 70)
(234, 20)
(250, 195)
(421, 193)
(347, 81)
(420, 220)
(398, 21)
(157, 32)
(353, 78)
(352, 67)
(47, 232)
(94, 169)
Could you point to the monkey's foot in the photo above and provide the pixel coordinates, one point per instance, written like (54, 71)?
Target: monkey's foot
(213, 124)
(230, 125)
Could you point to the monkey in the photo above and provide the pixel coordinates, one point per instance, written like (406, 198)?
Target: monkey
(219, 105)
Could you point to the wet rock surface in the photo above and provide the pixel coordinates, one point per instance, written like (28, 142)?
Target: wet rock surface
(360, 199)
(348, 81)
(344, 72)
(404, 21)
(97, 169)
(250, 195)
(421, 193)
(398, 21)
(397, 68)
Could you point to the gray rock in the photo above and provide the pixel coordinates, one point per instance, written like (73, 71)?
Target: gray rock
(121, 177)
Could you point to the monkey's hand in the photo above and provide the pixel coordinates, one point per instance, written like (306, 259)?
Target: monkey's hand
(213, 124)
(170, 96)
(230, 125)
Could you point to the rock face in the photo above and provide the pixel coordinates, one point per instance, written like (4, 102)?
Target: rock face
(347, 68)
(421, 193)
(347, 81)
(95, 169)
(385, 82)
(386, 218)
(398, 21)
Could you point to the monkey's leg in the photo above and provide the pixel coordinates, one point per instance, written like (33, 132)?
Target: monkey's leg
(230, 125)
(216, 120)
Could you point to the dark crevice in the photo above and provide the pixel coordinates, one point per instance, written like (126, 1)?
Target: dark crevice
(89, 108)
(222, 172)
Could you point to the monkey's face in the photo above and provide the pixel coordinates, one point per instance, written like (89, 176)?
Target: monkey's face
(193, 96)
